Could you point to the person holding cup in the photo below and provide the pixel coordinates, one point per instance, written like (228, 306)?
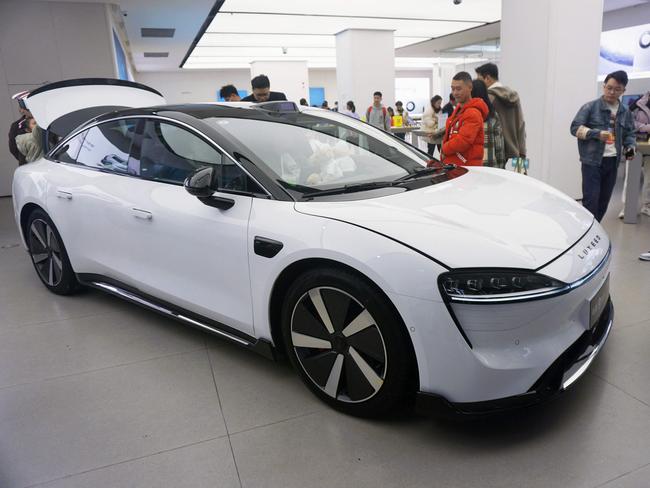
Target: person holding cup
(605, 131)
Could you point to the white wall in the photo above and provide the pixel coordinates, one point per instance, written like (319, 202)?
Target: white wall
(288, 77)
(191, 86)
(326, 78)
(43, 42)
(194, 86)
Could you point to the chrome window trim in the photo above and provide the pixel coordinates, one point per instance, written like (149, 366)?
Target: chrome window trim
(157, 117)
(540, 295)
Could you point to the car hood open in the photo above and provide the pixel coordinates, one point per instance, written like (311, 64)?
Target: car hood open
(486, 218)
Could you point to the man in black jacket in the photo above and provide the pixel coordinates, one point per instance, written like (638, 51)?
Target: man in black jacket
(16, 129)
(262, 91)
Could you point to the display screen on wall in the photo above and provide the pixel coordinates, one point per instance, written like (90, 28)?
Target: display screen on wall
(627, 49)
(120, 57)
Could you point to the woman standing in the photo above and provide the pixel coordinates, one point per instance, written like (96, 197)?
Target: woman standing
(351, 110)
(493, 148)
(431, 125)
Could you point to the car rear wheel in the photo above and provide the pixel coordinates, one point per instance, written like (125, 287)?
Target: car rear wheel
(48, 254)
(347, 343)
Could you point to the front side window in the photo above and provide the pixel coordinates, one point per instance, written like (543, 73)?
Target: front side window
(169, 153)
(107, 147)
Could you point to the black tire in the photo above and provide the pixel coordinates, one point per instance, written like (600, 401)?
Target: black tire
(366, 367)
(48, 254)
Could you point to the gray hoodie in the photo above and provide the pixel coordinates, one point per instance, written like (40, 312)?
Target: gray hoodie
(507, 104)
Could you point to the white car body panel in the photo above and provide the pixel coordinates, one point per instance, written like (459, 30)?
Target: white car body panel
(466, 223)
(176, 255)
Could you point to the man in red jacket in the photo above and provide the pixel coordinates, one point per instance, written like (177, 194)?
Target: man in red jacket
(463, 140)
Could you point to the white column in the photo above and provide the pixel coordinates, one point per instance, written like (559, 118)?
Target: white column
(441, 80)
(549, 54)
(288, 77)
(365, 63)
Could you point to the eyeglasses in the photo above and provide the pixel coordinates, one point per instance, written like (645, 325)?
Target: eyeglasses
(613, 89)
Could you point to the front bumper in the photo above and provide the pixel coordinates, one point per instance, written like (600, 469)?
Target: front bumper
(563, 373)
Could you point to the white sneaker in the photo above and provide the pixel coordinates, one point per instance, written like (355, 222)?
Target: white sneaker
(646, 211)
(622, 214)
(645, 256)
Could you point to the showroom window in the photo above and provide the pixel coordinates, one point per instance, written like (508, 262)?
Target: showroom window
(68, 152)
(169, 153)
(107, 147)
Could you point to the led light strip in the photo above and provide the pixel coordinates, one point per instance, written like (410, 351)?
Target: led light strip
(539, 295)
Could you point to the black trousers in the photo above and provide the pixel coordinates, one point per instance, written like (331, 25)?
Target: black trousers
(431, 147)
(597, 186)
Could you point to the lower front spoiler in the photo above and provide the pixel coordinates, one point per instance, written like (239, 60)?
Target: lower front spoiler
(565, 371)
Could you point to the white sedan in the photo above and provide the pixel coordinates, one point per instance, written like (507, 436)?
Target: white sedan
(382, 275)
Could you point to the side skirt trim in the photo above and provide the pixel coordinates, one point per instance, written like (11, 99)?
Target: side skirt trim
(120, 290)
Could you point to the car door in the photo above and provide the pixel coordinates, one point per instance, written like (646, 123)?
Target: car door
(83, 192)
(173, 246)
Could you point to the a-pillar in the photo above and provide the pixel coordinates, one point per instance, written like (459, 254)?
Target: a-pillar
(549, 54)
(365, 63)
(288, 77)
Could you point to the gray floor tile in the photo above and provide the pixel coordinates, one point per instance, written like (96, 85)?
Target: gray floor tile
(34, 352)
(255, 391)
(625, 360)
(108, 427)
(205, 465)
(34, 304)
(639, 478)
(586, 437)
(69, 425)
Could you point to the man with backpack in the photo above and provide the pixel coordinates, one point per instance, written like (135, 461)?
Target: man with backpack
(377, 115)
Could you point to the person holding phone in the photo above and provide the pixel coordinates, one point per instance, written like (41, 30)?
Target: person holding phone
(605, 131)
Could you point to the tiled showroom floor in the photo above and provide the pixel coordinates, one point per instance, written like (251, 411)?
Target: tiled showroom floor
(95, 392)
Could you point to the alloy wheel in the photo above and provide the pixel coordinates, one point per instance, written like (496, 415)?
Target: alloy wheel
(45, 250)
(338, 344)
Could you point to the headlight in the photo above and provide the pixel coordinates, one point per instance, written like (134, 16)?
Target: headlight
(498, 286)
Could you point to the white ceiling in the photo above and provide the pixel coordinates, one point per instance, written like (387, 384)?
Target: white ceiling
(250, 30)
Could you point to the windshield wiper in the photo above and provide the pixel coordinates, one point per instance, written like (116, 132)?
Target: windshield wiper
(352, 188)
(427, 171)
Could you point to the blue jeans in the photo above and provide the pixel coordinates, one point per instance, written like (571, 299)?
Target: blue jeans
(597, 186)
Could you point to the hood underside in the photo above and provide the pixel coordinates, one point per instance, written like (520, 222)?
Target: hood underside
(486, 218)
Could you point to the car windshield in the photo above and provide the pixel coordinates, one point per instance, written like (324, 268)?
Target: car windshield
(312, 152)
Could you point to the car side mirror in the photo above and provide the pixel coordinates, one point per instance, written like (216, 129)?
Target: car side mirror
(202, 183)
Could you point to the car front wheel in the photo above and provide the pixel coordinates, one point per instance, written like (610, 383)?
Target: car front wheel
(347, 343)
